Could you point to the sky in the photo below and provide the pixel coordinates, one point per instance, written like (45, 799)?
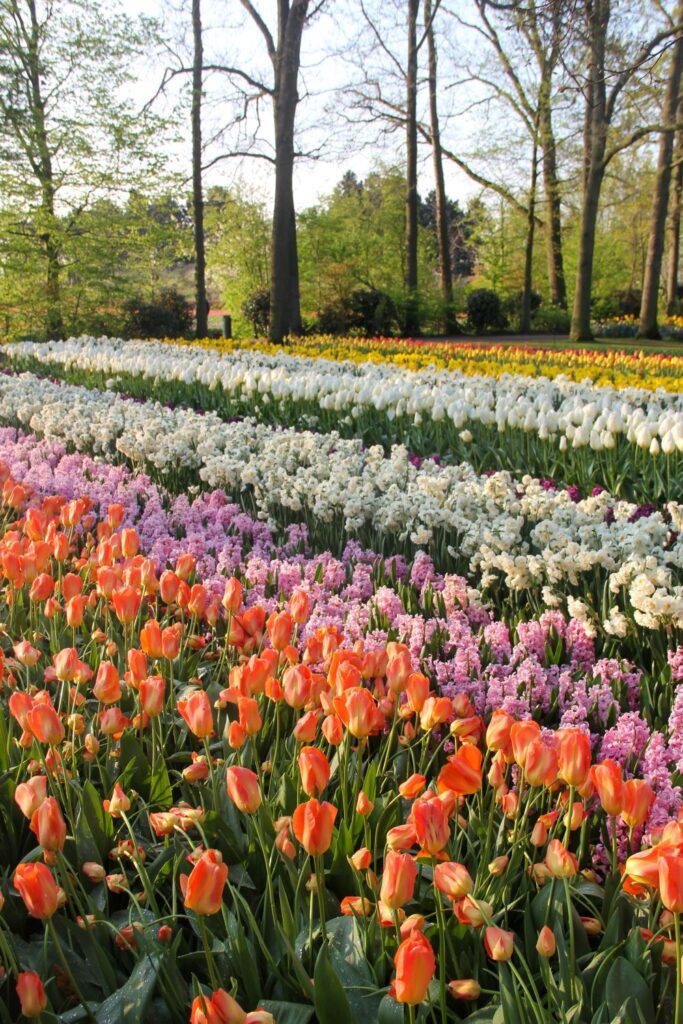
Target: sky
(330, 62)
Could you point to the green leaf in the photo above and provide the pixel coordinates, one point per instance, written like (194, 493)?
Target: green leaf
(287, 1013)
(331, 1004)
(129, 1004)
(390, 1012)
(100, 824)
(348, 959)
(624, 980)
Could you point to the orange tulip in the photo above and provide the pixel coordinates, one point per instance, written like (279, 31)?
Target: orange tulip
(546, 944)
(415, 967)
(521, 736)
(296, 686)
(30, 795)
(464, 988)
(412, 786)
(609, 784)
(219, 1008)
(196, 710)
(249, 716)
(168, 587)
(152, 691)
(559, 861)
(170, 641)
(65, 663)
(462, 772)
(417, 691)
(279, 627)
(299, 606)
(31, 994)
(574, 756)
(45, 724)
(243, 789)
(48, 825)
(150, 639)
(359, 712)
(107, 688)
(364, 806)
(126, 602)
(671, 881)
(119, 802)
(638, 799)
(333, 730)
(429, 820)
(203, 889)
(42, 587)
(315, 770)
(312, 823)
(398, 879)
(498, 731)
(435, 711)
(38, 889)
(499, 944)
(541, 763)
(453, 880)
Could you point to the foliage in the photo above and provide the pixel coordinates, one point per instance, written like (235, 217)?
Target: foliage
(485, 310)
(167, 315)
(256, 309)
(366, 311)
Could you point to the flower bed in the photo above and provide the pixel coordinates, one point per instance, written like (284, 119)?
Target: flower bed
(208, 807)
(628, 439)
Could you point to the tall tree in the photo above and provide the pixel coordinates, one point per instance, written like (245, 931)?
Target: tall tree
(412, 317)
(441, 204)
(284, 51)
(67, 135)
(612, 64)
(201, 304)
(674, 249)
(648, 327)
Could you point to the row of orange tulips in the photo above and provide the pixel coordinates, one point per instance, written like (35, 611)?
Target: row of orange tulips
(202, 812)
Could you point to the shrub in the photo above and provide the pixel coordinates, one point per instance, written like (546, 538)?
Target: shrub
(512, 305)
(485, 311)
(166, 315)
(551, 320)
(256, 309)
(366, 311)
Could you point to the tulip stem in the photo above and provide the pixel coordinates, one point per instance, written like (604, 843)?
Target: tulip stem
(67, 970)
(213, 973)
(320, 887)
(677, 933)
(411, 1014)
(442, 951)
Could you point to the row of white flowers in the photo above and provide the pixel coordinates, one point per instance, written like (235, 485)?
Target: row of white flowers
(511, 533)
(575, 414)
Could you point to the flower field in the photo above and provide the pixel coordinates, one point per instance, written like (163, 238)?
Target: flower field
(339, 690)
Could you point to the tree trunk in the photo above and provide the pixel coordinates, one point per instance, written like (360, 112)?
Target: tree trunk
(411, 325)
(595, 141)
(648, 327)
(442, 220)
(551, 187)
(201, 304)
(672, 306)
(525, 319)
(49, 235)
(285, 311)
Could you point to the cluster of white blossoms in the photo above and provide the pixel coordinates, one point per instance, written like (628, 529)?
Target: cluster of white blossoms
(507, 532)
(560, 410)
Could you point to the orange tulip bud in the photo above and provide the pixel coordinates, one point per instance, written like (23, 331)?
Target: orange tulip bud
(364, 806)
(415, 967)
(464, 988)
(559, 861)
(31, 994)
(398, 879)
(312, 823)
(546, 944)
(453, 879)
(498, 943)
(243, 789)
(203, 889)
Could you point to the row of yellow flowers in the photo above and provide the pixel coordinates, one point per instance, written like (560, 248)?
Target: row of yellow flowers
(615, 368)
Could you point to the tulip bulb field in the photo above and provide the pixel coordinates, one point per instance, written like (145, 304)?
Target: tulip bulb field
(340, 683)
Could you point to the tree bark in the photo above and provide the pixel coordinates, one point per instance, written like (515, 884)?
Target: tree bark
(201, 304)
(411, 324)
(648, 327)
(595, 142)
(442, 220)
(48, 231)
(525, 319)
(672, 306)
(285, 310)
(556, 280)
